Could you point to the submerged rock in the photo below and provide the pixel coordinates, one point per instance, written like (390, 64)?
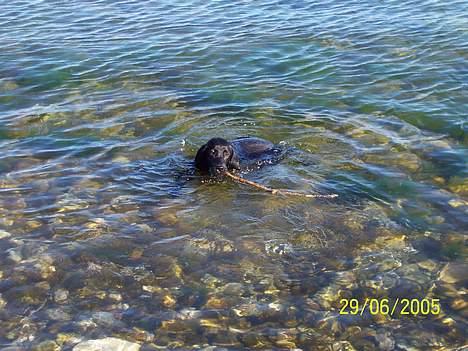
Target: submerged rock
(455, 203)
(4, 234)
(458, 185)
(428, 265)
(14, 256)
(58, 314)
(61, 295)
(2, 302)
(454, 272)
(107, 344)
(107, 320)
(67, 338)
(233, 289)
(342, 346)
(8, 85)
(216, 303)
(273, 247)
(428, 245)
(209, 243)
(124, 203)
(168, 301)
(384, 341)
(48, 345)
(405, 160)
(69, 203)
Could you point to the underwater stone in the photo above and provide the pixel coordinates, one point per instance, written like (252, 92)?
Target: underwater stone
(8, 85)
(106, 319)
(89, 185)
(406, 287)
(428, 245)
(458, 203)
(61, 295)
(428, 265)
(68, 203)
(327, 296)
(8, 222)
(439, 180)
(368, 137)
(459, 304)
(405, 160)
(107, 344)
(65, 338)
(210, 323)
(395, 242)
(115, 296)
(121, 159)
(86, 324)
(167, 218)
(285, 338)
(123, 203)
(388, 264)
(435, 219)
(145, 228)
(169, 301)
(385, 342)
(151, 289)
(31, 225)
(454, 272)
(140, 335)
(48, 345)
(45, 267)
(448, 290)
(41, 185)
(255, 340)
(458, 185)
(211, 244)
(233, 289)
(2, 302)
(14, 256)
(211, 281)
(342, 346)
(354, 222)
(273, 247)
(58, 314)
(216, 303)
(4, 234)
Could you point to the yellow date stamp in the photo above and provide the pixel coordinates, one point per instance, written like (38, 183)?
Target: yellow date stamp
(390, 307)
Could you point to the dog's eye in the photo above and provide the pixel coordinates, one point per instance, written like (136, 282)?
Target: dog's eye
(213, 151)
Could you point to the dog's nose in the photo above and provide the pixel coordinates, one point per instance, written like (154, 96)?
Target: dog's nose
(220, 169)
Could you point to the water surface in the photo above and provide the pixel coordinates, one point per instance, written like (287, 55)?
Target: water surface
(104, 231)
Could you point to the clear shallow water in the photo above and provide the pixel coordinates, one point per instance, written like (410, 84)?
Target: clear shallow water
(103, 232)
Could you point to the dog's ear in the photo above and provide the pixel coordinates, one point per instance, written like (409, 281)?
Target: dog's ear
(200, 158)
(233, 161)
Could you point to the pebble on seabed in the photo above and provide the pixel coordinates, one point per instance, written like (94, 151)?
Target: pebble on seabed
(454, 272)
(48, 345)
(61, 295)
(458, 185)
(107, 344)
(4, 234)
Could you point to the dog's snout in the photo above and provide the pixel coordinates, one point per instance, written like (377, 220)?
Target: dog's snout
(218, 170)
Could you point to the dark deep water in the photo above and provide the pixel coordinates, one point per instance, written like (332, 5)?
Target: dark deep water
(103, 105)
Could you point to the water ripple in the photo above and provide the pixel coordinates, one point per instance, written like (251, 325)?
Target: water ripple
(103, 105)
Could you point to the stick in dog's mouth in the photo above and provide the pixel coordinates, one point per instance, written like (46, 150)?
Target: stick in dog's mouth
(277, 191)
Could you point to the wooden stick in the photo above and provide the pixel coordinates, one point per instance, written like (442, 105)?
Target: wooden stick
(277, 191)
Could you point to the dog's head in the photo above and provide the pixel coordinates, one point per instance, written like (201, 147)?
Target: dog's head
(216, 157)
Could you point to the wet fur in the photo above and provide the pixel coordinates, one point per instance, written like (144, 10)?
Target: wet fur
(219, 155)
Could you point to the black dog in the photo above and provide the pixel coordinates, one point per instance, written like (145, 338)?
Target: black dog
(218, 155)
